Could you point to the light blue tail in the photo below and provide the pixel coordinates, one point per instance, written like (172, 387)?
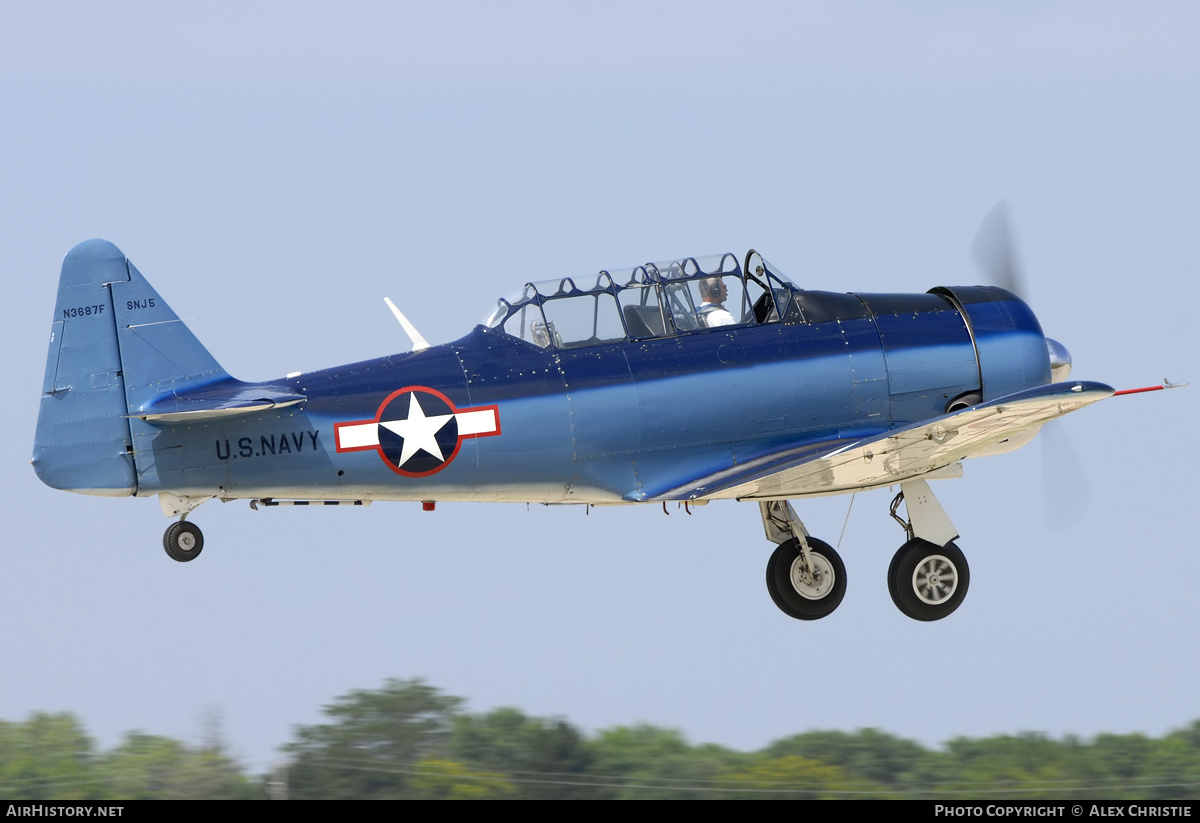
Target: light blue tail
(115, 348)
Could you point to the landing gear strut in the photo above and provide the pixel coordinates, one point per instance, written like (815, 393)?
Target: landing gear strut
(183, 541)
(928, 576)
(805, 577)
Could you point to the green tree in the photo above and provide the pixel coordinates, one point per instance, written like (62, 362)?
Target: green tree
(868, 754)
(786, 778)
(1028, 765)
(546, 759)
(370, 748)
(148, 767)
(649, 762)
(48, 756)
(451, 780)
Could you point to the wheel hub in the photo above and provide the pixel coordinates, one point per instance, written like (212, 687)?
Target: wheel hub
(815, 582)
(186, 541)
(935, 580)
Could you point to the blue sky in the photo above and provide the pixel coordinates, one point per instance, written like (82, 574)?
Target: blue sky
(275, 169)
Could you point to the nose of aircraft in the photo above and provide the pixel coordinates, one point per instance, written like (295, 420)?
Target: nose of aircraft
(1060, 360)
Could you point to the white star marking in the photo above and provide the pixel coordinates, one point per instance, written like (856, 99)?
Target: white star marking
(419, 432)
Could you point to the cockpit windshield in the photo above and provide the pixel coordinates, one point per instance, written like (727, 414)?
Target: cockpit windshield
(652, 300)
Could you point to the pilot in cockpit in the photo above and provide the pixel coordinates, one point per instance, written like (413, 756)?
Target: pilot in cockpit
(712, 309)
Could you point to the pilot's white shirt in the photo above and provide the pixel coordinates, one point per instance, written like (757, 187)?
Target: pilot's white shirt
(714, 315)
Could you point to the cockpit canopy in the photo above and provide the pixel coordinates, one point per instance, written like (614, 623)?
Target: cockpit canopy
(694, 294)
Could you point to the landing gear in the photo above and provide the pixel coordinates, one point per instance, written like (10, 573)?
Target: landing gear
(927, 579)
(928, 576)
(805, 576)
(806, 589)
(183, 541)
(928, 582)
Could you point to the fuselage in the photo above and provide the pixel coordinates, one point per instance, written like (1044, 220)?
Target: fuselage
(608, 421)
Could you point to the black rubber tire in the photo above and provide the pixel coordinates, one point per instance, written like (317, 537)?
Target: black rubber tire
(788, 598)
(773, 589)
(891, 579)
(183, 541)
(930, 581)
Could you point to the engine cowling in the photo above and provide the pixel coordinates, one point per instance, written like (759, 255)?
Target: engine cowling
(1010, 347)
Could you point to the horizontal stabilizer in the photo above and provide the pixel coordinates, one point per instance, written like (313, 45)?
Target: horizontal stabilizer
(225, 399)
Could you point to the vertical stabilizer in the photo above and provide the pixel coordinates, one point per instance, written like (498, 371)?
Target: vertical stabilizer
(83, 442)
(116, 348)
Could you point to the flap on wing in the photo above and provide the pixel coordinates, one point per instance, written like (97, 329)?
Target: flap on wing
(913, 451)
(225, 398)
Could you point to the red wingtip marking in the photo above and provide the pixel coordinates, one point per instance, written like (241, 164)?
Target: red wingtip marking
(1138, 391)
(1167, 384)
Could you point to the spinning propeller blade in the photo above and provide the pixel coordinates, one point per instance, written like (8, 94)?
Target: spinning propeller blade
(995, 250)
(1065, 491)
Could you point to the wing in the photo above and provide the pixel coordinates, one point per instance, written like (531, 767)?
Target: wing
(919, 450)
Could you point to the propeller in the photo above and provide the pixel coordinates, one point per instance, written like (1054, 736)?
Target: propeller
(1065, 488)
(1066, 492)
(995, 250)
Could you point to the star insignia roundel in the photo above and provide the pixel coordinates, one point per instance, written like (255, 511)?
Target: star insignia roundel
(417, 430)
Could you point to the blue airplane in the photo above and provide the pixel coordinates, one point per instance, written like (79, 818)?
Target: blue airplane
(699, 379)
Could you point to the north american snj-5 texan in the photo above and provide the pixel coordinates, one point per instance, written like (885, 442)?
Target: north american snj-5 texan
(697, 379)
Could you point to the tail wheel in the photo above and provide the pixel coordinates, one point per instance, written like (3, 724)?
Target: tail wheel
(183, 541)
(802, 592)
(928, 582)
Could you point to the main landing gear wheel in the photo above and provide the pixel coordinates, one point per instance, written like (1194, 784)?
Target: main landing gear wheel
(891, 577)
(183, 541)
(803, 593)
(926, 581)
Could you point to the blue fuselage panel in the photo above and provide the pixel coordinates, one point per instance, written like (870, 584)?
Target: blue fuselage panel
(490, 417)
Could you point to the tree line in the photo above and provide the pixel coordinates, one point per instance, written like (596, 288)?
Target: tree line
(408, 740)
